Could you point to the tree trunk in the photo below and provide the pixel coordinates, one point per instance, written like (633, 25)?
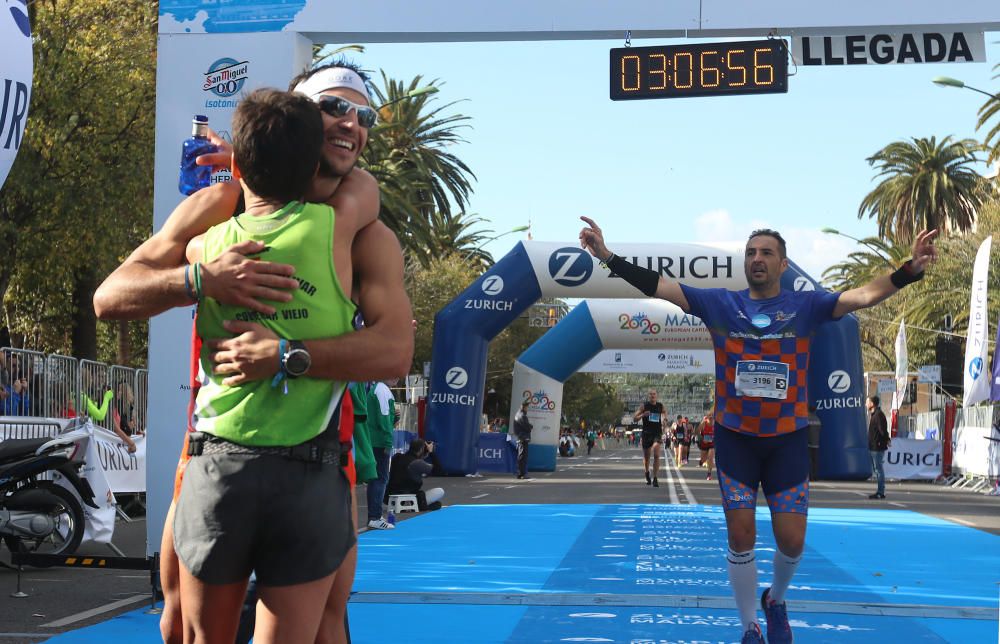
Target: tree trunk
(84, 332)
(124, 344)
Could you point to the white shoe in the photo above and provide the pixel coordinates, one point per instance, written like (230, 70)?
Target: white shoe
(380, 524)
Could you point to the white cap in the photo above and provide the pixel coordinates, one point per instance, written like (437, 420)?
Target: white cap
(331, 78)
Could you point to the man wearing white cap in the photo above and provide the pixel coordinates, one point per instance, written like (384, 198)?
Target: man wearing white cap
(151, 279)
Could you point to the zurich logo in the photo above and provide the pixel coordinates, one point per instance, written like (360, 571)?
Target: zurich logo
(839, 382)
(975, 368)
(493, 285)
(19, 10)
(661, 357)
(760, 321)
(803, 284)
(570, 266)
(456, 378)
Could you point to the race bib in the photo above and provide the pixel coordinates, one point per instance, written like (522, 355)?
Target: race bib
(654, 417)
(762, 378)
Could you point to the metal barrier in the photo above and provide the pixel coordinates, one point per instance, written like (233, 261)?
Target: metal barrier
(62, 386)
(141, 399)
(20, 429)
(24, 372)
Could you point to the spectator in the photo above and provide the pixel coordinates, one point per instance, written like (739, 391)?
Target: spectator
(407, 472)
(4, 370)
(16, 398)
(522, 430)
(814, 429)
(380, 422)
(878, 443)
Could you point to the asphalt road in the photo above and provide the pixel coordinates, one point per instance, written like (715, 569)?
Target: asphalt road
(64, 599)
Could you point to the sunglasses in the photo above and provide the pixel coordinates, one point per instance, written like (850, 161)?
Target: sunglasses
(337, 107)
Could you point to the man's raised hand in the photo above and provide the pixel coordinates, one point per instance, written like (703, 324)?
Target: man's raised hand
(592, 239)
(924, 250)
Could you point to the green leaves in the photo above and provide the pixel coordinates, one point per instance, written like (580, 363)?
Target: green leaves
(925, 184)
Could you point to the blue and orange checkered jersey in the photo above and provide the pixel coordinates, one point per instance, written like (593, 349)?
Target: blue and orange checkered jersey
(765, 341)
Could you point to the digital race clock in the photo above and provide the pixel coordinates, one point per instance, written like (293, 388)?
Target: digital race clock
(704, 69)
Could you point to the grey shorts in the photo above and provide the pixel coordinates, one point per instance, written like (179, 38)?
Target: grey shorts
(288, 520)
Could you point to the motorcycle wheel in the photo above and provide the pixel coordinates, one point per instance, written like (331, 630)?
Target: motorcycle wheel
(70, 522)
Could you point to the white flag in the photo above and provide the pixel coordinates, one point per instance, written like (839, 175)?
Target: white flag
(902, 366)
(977, 372)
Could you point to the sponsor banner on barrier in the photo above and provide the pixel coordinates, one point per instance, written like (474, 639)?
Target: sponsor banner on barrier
(100, 522)
(913, 459)
(976, 451)
(125, 472)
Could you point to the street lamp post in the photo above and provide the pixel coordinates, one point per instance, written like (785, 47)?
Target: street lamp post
(946, 81)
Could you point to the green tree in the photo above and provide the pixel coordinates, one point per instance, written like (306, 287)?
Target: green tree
(80, 193)
(925, 184)
(409, 153)
(452, 233)
(989, 110)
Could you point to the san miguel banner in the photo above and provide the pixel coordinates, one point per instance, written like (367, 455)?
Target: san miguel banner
(913, 459)
(977, 385)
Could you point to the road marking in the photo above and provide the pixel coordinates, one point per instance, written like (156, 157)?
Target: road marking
(898, 505)
(479, 496)
(87, 614)
(674, 601)
(962, 521)
(674, 499)
(687, 490)
(509, 487)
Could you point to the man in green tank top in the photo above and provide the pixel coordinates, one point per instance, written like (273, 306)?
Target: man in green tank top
(151, 280)
(264, 462)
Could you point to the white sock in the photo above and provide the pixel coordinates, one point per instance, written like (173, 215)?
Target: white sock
(743, 579)
(784, 569)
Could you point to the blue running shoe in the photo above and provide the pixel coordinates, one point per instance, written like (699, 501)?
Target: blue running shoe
(778, 629)
(752, 635)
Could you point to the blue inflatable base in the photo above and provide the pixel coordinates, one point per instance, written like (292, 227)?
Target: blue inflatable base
(541, 458)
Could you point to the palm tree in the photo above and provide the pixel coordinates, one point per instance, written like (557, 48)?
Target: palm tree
(862, 266)
(407, 152)
(990, 109)
(449, 233)
(926, 185)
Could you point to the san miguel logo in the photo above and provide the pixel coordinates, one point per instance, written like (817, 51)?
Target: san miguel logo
(226, 77)
(538, 400)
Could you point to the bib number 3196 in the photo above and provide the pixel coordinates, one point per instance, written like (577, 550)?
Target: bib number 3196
(762, 378)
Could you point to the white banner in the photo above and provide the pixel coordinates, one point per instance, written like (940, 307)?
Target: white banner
(15, 82)
(544, 396)
(100, 522)
(976, 451)
(902, 364)
(650, 361)
(913, 459)
(977, 371)
(890, 48)
(647, 324)
(125, 472)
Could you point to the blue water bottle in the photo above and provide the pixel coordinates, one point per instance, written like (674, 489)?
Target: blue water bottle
(194, 177)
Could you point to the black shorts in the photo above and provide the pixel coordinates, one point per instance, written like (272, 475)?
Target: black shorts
(648, 439)
(778, 464)
(287, 520)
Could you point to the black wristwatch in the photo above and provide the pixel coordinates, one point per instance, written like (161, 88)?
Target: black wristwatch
(296, 361)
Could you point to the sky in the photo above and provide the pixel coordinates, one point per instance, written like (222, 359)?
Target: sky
(547, 144)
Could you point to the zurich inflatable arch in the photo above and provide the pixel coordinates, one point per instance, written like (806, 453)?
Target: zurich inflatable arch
(610, 320)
